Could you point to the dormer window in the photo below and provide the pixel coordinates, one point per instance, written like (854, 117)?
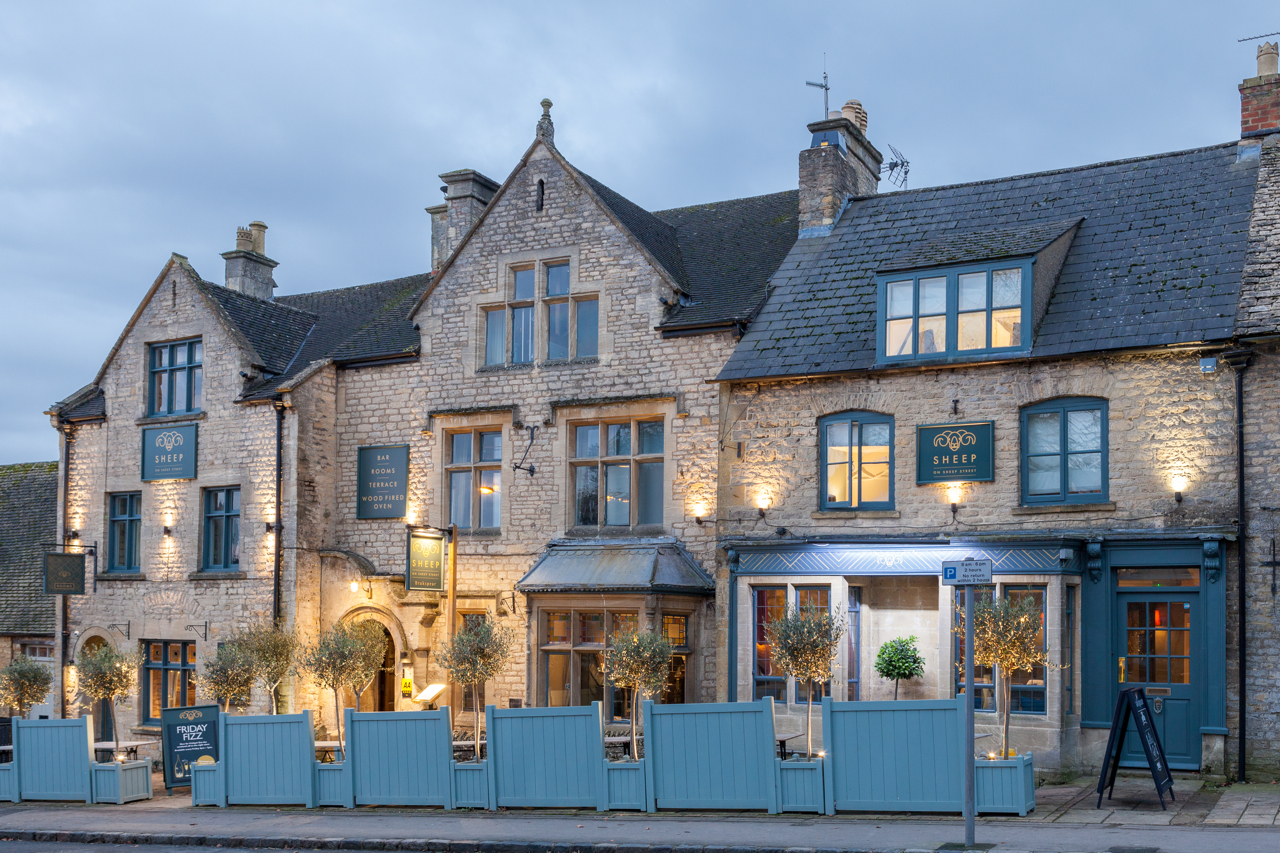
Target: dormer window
(955, 313)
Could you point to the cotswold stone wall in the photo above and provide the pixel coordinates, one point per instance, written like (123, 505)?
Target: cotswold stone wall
(1259, 311)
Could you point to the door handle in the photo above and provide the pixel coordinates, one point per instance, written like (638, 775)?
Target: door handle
(1120, 660)
(1157, 705)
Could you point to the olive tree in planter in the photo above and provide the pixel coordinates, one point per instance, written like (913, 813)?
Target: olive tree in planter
(1007, 636)
(229, 674)
(272, 648)
(639, 661)
(371, 640)
(109, 675)
(899, 659)
(803, 643)
(24, 683)
(477, 653)
(333, 660)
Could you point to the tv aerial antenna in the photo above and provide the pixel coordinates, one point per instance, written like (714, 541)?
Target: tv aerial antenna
(897, 169)
(1255, 38)
(824, 86)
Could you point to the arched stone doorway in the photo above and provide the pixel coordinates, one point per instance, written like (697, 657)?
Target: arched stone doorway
(102, 729)
(380, 695)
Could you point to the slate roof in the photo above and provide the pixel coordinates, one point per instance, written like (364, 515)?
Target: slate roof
(656, 565)
(1156, 261)
(983, 245)
(721, 254)
(28, 521)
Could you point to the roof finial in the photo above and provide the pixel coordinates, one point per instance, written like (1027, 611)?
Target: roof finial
(546, 130)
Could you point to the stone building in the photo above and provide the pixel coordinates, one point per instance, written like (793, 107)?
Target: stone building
(1041, 371)
(28, 525)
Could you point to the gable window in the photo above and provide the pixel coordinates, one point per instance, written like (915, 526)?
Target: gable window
(966, 311)
(176, 377)
(126, 519)
(1064, 451)
(856, 461)
(222, 530)
(617, 473)
(540, 298)
(474, 472)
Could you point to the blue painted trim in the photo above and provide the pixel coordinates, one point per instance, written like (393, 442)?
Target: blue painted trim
(856, 421)
(774, 798)
(892, 559)
(1063, 406)
(492, 777)
(828, 789)
(650, 800)
(733, 629)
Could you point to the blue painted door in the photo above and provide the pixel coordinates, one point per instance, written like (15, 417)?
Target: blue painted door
(1158, 632)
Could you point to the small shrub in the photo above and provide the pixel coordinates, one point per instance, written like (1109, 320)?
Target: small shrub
(24, 683)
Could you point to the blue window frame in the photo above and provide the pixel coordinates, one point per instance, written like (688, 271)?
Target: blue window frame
(222, 530)
(1064, 451)
(856, 461)
(1027, 687)
(769, 680)
(812, 599)
(168, 677)
(984, 683)
(854, 670)
(1068, 671)
(176, 377)
(125, 512)
(955, 313)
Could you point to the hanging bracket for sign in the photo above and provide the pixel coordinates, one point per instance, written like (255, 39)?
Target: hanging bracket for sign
(520, 466)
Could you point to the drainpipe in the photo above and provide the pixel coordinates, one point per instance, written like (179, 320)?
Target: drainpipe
(279, 527)
(66, 599)
(1239, 361)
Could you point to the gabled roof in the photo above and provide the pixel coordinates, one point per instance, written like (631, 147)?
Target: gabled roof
(1156, 261)
(28, 524)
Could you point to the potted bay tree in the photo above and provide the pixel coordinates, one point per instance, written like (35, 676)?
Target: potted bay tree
(111, 676)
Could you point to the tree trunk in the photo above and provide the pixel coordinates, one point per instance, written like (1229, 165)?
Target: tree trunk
(115, 729)
(337, 712)
(808, 725)
(895, 690)
(475, 709)
(1007, 693)
(272, 690)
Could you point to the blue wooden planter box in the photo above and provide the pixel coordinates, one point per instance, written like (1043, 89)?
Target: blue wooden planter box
(9, 782)
(333, 784)
(207, 787)
(470, 784)
(121, 781)
(799, 786)
(624, 785)
(1007, 787)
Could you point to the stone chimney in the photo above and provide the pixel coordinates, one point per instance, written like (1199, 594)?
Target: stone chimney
(466, 194)
(839, 164)
(1260, 96)
(248, 267)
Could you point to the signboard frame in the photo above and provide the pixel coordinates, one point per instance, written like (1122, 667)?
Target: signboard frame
(421, 579)
(1132, 701)
(976, 438)
(67, 580)
(177, 769)
(377, 498)
(966, 572)
(168, 438)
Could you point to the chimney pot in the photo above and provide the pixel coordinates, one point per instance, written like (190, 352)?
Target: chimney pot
(853, 111)
(1268, 58)
(259, 230)
(244, 240)
(248, 267)
(833, 114)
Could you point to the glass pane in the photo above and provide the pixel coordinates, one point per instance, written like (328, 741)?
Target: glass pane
(1180, 671)
(649, 497)
(586, 486)
(1084, 430)
(175, 653)
(1006, 328)
(197, 352)
(490, 499)
(1043, 434)
(1084, 473)
(587, 441)
(1159, 642)
(494, 342)
(522, 335)
(1044, 475)
(770, 604)
(557, 279)
(218, 501)
(558, 627)
(618, 440)
(160, 387)
(650, 436)
(1159, 671)
(933, 296)
(1136, 615)
(234, 497)
(973, 330)
(156, 689)
(173, 697)
(617, 494)
(1006, 288)
(558, 330)
(460, 498)
(197, 388)
(155, 651)
(557, 679)
(233, 541)
(180, 354)
(1159, 615)
(119, 544)
(216, 532)
(838, 442)
(588, 328)
(900, 299)
(490, 447)
(622, 623)
(135, 505)
(973, 291)
(590, 679)
(524, 284)
(813, 599)
(675, 629)
(1136, 671)
(191, 689)
(460, 448)
(838, 483)
(1180, 642)
(1180, 617)
(591, 628)
(191, 653)
(898, 337)
(875, 442)
(933, 335)
(160, 356)
(673, 691)
(875, 483)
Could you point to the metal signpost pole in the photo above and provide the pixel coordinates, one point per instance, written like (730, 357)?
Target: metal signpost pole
(968, 717)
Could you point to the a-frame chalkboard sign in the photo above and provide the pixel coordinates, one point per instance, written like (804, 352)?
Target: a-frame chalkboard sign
(1133, 702)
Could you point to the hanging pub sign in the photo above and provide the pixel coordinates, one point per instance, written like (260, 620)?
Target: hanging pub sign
(424, 564)
(189, 735)
(383, 481)
(169, 453)
(948, 453)
(64, 574)
(1132, 704)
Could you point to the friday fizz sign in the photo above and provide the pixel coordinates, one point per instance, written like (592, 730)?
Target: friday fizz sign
(383, 481)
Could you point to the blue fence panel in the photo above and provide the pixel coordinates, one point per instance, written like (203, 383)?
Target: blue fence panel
(470, 784)
(333, 784)
(894, 756)
(800, 786)
(624, 785)
(710, 756)
(53, 758)
(207, 785)
(546, 757)
(9, 782)
(269, 759)
(400, 758)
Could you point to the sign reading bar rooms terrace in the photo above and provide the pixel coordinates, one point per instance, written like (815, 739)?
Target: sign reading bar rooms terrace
(383, 481)
(948, 453)
(169, 453)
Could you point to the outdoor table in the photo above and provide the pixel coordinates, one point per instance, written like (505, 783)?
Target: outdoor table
(782, 742)
(327, 750)
(625, 741)
(128, 747)
(6, 754)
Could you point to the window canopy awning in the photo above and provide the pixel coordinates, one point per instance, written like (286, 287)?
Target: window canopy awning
(646, 565)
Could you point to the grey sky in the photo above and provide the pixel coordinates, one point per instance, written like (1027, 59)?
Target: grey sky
(132, 130)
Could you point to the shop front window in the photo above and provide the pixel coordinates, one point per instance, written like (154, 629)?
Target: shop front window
(574, 646)
(984, 684)
(168, 677)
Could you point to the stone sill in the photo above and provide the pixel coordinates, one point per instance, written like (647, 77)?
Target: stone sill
(617, 532)
(171, 419)
(1051, 509)
(504, 368)
(481, 531)
(216, 576)
(145, 730)
(120, 576)
(834, 514)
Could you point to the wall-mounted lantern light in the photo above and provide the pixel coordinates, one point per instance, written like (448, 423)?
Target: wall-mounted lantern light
(762, 503)
(699, 510)
(73, 534)
(953, 495)
(1179, 484)
(168, 531)
(368, 587)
